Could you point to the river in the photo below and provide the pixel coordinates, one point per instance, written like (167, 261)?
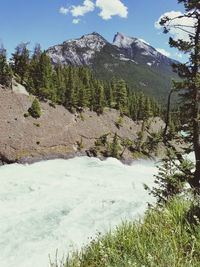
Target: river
(60, 204)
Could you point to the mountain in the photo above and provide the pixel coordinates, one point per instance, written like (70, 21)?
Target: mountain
(141, 65)
(139, 51)
(79, 51)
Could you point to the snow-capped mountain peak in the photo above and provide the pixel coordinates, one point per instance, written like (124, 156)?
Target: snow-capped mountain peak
(127, 57)
(93, 41)
(126, 42)
(77, 51)
(122, 41)
(84, 50)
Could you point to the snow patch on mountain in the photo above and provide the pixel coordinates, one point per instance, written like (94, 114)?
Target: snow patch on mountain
(123, 58)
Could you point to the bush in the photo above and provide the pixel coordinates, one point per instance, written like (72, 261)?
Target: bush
(80, 145)
(102, 140)
(119, 122)
(172, 179)
(26, 115)
(114, 148)
(35, 110)
(36, 124)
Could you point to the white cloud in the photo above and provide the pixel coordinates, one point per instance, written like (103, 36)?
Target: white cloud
(81, 10)
(110, 8)
(163, 51)
(76, 21)
(144, 41)
(64, 10)
(178, 32)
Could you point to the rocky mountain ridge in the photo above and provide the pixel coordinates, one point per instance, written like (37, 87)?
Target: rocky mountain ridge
(129, 58)
(132, 48)
(82, 51)
(78, 51)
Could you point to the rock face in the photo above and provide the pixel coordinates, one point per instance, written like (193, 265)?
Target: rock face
(139, 51)
(82, 51)
(57, 133)
(77, 52)
(18, 88)
(131, 59)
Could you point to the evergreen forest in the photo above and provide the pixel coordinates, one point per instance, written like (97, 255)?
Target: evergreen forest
(73, 87)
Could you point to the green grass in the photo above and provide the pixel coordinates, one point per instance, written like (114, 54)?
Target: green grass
(166, 238)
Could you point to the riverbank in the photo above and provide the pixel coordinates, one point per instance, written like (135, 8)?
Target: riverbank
(166, 237)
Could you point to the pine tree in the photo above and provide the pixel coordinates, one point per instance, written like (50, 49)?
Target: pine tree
(71, 91)
(189, 86)
(5, 70)
(33, 83)
(92, 96)
(148, 108)
(171, 178)
(109, 95)
(20, 62)
(45, 78)
(121, 97)
(133, 106)
(35, 110)
(99, 103)
(114, 147)
(83, 96)
(59, 83)
(37, 51)
(172, 127)
(141, 105)
(85, 87)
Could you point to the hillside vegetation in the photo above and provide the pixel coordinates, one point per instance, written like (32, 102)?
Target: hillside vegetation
(73, 87)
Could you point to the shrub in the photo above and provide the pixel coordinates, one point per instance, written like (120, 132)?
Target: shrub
(172, 178)
(119, 122)
(35, 110)
(114, 148)
(36, 124)
(80, 145)
(26, 115)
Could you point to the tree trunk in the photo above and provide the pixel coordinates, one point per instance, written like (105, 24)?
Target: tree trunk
(196, 122)
(167, 116)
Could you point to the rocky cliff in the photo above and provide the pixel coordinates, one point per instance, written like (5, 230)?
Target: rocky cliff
(59, 133)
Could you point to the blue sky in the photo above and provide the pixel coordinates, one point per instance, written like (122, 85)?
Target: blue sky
(43, 21)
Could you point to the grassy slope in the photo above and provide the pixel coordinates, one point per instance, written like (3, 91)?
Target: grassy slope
(165, 238)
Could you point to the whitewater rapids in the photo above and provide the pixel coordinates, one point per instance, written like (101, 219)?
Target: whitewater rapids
(60, 204)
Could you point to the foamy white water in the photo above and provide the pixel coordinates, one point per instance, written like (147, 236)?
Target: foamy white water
(60, 204)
